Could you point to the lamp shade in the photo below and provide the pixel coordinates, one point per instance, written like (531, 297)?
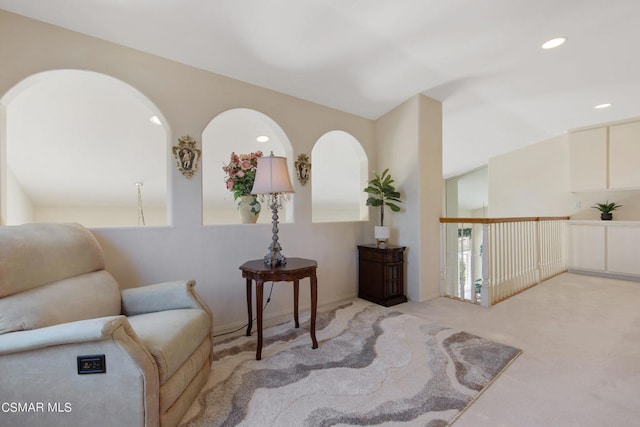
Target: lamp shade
(272, 176)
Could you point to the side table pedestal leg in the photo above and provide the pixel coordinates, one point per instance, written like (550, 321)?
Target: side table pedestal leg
(259, 287)
(249, 313)
(296, 295)
(314, 307)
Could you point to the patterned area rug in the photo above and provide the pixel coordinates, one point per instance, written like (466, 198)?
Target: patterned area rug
(374, 366)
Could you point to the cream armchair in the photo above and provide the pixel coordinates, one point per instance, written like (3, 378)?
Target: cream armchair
(77, 351)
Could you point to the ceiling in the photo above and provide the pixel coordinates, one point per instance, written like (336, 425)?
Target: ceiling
(500, 91)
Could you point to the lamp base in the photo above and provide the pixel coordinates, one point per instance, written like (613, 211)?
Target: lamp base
(274, 259)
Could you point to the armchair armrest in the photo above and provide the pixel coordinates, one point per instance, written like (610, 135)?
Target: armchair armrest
(64, 333)
(135, 375)
(161, 297)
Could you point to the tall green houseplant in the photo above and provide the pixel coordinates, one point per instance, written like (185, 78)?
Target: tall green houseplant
(382, 193)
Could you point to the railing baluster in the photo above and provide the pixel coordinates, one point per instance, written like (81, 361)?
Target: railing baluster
(522, 272)
(515, 273)
(494, 258)
(460, 289)
(497, 249)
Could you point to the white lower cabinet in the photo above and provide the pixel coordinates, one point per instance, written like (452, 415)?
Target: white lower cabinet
(605, 247)
(587, 247)
(623, 249)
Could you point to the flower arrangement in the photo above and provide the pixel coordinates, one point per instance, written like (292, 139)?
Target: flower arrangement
(241, 172)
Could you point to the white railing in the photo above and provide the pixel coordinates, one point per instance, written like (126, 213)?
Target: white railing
(487, 260)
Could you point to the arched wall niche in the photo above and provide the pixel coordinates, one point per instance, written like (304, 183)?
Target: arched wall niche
(338, 176)
(237, 130)
(76, 143)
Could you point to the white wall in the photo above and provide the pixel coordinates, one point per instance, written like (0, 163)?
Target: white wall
(430, 195)
(92, 216)
(532, 181)
(188, 99)
(21, 207)
(415, 127)
(334, 212)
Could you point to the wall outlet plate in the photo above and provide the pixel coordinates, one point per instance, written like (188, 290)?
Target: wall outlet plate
(92, 364)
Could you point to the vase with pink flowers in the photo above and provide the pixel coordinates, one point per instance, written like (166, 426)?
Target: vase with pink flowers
(240, 174)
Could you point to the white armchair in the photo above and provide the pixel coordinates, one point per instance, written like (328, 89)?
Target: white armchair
(63, 320)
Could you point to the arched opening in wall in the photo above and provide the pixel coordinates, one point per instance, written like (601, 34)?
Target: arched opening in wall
(338, 176)
(242, 131)
(77, 144)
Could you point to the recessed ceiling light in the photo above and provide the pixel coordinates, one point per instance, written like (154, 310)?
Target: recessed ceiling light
(262, 138)
(601, 106)
(155, 120)
(553, 43)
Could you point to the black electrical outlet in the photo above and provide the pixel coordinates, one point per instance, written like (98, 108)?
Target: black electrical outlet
(95, 364)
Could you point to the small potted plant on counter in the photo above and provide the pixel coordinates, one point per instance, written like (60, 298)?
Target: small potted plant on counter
(382, 193)
(605, 210)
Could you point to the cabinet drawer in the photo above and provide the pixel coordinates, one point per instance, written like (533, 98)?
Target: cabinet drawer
(381, 255)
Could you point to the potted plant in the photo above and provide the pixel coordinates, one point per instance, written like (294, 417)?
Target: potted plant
(605, 210)
(240, 174)
(382, 193)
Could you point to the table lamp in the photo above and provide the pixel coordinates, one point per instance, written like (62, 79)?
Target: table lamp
(273, 185)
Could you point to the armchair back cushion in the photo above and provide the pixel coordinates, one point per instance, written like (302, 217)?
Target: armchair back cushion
(52, 274)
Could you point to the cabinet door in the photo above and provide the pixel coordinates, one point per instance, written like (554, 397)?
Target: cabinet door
(588, 160)
(587, 250)
(393, 280)
(623, 249)
(624, 153)
(371, 280)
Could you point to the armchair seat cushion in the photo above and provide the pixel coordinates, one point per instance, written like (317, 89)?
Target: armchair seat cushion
(171, 336)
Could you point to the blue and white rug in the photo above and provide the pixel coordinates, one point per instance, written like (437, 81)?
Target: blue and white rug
(374, 366)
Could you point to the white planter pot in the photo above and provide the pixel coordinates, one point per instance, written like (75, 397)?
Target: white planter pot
(381, 232)
(249, 209)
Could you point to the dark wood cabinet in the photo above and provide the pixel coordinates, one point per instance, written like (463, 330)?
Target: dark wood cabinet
(381, 274)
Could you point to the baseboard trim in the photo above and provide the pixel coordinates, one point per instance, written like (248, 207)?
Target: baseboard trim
(627, 277)
(282, 316)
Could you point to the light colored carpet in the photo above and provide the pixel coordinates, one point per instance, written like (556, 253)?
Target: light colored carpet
(374, 366)
(580, 366)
